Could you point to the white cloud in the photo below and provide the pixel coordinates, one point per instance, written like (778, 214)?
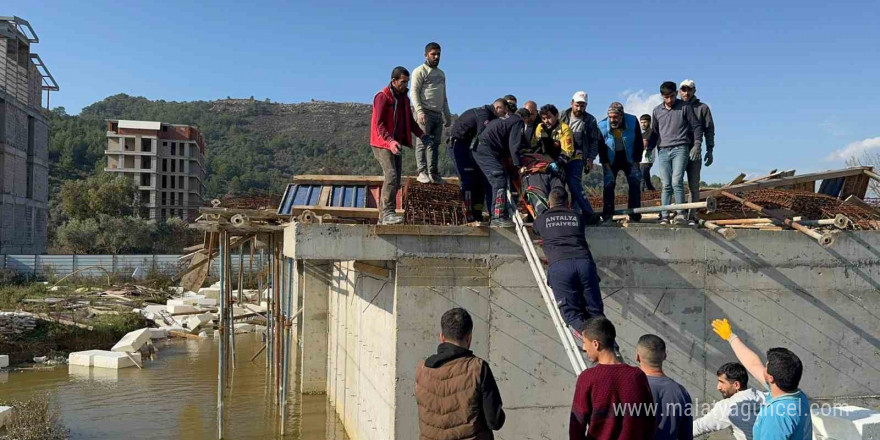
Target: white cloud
(854, 149)
(639, 103)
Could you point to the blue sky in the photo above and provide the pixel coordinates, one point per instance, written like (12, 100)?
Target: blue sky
(789, 82)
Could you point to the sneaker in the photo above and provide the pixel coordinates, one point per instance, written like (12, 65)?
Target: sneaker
(680, 221)
(424, 178)
(692, 222)
(664, 221)
(391, 219)
(435, 178)
(501, 223)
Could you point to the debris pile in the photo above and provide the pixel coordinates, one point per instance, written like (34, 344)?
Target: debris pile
(433, 204)
(16, 323)
(810, 206)
(621, 199)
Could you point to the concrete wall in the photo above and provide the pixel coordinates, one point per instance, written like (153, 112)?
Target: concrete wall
(777, 288)
(361, 353)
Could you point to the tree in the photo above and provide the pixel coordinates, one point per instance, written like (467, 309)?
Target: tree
(101, 194)
(77, 235)
(868, 159)
(120, 235)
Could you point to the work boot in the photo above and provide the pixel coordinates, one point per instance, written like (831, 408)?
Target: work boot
(501, 223)
(435, 178)
(424, 178)
(391, 219)
(635, 217)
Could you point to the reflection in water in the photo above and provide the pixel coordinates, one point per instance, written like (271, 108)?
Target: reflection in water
(175, 396)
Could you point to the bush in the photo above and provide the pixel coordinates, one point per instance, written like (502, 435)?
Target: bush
(10, 277)
(34, 419)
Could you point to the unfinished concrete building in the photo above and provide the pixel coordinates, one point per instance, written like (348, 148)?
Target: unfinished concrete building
(166, 162)
(370, 297)
(24, 140)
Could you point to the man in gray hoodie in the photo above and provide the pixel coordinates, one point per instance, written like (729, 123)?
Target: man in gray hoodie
(688, 92)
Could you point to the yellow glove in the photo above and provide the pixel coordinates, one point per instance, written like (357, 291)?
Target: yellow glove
(722, 328)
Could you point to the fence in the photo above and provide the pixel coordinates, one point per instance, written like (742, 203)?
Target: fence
(61, 265)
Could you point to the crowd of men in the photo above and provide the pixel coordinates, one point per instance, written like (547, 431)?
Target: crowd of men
(458, 397)
(538, 149)
(544, 153)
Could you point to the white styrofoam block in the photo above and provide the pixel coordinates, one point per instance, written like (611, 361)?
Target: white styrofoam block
(112, 359)
(158, 333)
(846, 423)
(174, 328)
(255, 308)
(203, 335)
(238, 311)
(180, 308)
(195, 322)
(154, 308)
(210, 292)
(5, 415)
(82, 358)
(4, 360)
(133, 341)
(175, 302)
(208, 302)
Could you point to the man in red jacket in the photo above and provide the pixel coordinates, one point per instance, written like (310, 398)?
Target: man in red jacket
(392, 126)
(612, 400)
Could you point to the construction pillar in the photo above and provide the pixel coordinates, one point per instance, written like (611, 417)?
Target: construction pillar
(315, 284)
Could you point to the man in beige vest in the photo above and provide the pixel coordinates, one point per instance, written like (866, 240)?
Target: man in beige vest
(457, 395)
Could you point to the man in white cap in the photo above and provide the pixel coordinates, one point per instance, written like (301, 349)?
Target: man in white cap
(585, 130)
(688, 92)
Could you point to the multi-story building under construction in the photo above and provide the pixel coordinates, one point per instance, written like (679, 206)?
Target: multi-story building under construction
(24, 140)
(166, 162)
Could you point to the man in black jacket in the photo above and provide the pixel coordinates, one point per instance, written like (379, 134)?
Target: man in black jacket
(501, 139)
(572, 274)
(475, 189)
(455, 391)
(688, 91)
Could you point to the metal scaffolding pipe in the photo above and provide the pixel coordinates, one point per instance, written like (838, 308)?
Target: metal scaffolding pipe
(825, 239)
(709, 205)
(221, 385)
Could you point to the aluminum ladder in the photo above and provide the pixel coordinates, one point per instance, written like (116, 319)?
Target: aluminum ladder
(572, 350)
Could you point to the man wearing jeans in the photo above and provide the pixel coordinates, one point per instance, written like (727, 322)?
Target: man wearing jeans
(392, 126)
(587, 141)
(675, 131)
(431, 109)
(688, 91)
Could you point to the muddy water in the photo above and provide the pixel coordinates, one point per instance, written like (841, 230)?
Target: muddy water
(174, 397)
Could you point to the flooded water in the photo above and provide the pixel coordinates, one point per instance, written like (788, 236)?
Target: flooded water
(175, 397)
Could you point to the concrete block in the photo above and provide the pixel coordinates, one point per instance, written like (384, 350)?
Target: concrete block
(244, 328)
(5, 415)
(154, 309)
(4, 360)
(133, 341)
(256, 308)
(158, 333)
(846, 423)
(114, 360)
(180, 308)
(82, 358)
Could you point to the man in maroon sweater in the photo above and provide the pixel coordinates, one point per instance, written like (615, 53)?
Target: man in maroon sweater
(612, 400)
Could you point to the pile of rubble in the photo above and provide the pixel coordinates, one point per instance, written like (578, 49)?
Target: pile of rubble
(810, 206)
(16, 323)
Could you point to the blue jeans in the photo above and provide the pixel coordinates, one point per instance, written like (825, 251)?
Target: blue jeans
(574, 175)
(671, 163)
